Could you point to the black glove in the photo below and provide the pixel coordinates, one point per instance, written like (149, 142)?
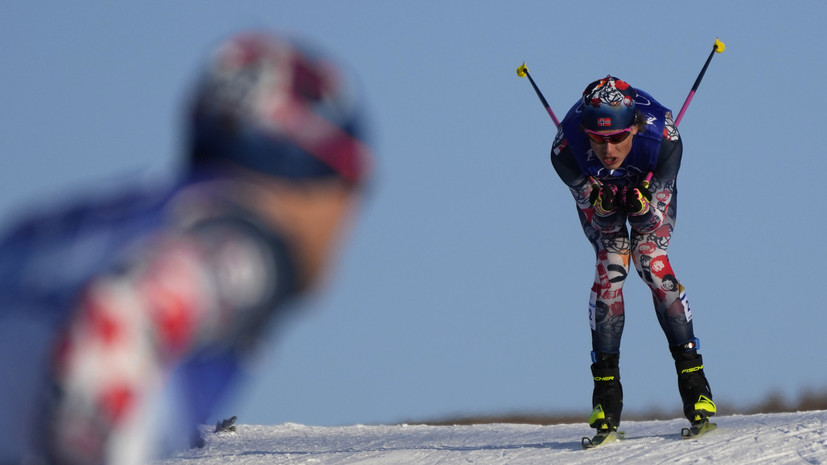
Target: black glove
(636, 200)
(605, 198)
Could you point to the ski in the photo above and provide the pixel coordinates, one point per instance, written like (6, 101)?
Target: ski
(697, 430)
(600, 439)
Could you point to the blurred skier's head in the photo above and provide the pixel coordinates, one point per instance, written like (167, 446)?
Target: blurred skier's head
(279, 108)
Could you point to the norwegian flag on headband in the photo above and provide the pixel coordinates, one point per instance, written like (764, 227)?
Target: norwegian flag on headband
(604, 122)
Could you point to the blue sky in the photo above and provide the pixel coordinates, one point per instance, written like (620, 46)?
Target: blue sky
(464, 286)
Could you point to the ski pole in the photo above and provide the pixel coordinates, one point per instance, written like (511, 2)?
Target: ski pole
(718, 47)
(522, 71)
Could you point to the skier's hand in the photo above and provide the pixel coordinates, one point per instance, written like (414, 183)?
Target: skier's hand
(636, 200)
(605, 198)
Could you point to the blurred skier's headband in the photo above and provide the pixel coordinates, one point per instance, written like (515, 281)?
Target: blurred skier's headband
(273, 106)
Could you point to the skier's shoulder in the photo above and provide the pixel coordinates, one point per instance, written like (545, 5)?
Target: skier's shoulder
(671, 145)
(74, 213)
(216, 213)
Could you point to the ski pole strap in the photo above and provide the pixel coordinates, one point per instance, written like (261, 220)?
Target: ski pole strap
(648, 180)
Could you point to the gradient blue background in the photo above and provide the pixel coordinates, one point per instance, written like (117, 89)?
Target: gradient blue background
(463, 288)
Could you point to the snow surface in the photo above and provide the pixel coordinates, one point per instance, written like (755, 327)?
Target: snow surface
(779, 438)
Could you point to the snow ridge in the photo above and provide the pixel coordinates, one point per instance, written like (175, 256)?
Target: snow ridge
(778, 438)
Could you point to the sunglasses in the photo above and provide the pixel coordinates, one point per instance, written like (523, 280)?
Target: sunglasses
(610, 137)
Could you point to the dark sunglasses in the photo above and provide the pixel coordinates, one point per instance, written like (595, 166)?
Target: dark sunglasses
(611, 137)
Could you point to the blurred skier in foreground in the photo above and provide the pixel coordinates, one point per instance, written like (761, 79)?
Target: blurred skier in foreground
(619, 152)
(124, 320)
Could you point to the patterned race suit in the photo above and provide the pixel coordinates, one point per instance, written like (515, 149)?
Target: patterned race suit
(647, 236)
(113, 309)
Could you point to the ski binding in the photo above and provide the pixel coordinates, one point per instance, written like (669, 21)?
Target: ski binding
(697, 429)
(601, 438)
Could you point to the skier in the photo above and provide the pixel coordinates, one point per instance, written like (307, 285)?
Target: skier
(619, 152)
(124, 320)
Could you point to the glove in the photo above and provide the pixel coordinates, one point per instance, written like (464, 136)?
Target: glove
(636, 200)
(605, 198)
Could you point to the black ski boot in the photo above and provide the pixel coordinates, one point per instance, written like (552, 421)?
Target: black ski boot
(607, 397)
(692, 384)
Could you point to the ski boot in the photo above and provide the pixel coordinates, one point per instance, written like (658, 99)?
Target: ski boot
(696, 395)
(607, 399)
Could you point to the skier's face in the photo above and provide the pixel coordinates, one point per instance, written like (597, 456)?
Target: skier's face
(611, 154)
